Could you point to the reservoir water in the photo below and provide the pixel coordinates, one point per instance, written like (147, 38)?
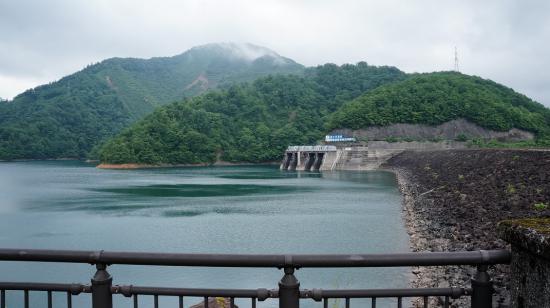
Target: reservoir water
(250, 209)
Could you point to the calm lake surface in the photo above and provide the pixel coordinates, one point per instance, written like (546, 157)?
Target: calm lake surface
(251, 209)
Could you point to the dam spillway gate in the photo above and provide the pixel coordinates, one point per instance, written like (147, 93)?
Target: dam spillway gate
(309, 158)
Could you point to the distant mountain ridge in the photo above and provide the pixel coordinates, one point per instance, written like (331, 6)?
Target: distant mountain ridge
(68, 117)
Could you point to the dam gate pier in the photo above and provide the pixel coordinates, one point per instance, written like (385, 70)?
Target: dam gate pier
(309, 158)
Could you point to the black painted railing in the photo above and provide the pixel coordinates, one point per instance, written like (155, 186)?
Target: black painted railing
(289, 293)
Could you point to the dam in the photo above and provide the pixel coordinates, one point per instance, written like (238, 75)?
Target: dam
(354, 156)
(369, 148)
(310, 158)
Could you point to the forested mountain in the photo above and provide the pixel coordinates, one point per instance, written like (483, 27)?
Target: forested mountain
(255, 122)
(241, 120)
(251, 122)
(435, 98)
(68, 117)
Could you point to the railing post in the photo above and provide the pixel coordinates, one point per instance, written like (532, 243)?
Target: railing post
(482, 289)
(101, 288)
(289, 290)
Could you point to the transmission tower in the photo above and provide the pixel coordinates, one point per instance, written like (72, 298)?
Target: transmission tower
(456, 60)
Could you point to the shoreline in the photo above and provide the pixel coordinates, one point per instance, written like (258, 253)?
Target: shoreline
(415, 224)
(146, 166)
(41, 159)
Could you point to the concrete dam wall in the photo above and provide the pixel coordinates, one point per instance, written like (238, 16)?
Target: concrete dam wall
(354, 157)
(309, 158)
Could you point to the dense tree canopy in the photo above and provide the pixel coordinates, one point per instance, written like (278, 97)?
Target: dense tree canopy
(248, 122)
(435, 98)
(55, 121)
(256, 122)
(69, 117)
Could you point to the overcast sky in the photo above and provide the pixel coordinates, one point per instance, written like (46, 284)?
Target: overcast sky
(506, 41)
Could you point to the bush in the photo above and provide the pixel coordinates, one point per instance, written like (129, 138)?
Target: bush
(461, 137)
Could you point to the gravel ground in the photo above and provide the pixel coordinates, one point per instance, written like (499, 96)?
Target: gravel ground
(454, 199)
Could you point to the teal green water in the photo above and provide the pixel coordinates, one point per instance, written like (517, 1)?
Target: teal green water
(252, 209)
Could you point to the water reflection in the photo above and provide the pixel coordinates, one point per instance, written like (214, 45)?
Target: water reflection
(199, 190)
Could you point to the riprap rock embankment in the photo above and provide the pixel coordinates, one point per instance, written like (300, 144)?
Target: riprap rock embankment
(454, 200)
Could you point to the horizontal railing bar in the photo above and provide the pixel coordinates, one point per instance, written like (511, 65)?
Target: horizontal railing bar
(130, 290)
(38, 286)
(318, 294)
(239, 293)
(252, 260)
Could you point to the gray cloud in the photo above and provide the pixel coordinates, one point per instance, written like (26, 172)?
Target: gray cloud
(504, 40)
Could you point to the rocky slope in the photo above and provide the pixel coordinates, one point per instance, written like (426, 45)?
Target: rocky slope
(451, 130)
(454, 199)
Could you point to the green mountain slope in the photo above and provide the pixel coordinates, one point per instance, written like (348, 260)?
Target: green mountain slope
(435, 98)
(68, 117)
(248, 122)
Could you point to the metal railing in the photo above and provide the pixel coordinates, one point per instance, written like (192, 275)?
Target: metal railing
(311, 148)
(289, 293)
